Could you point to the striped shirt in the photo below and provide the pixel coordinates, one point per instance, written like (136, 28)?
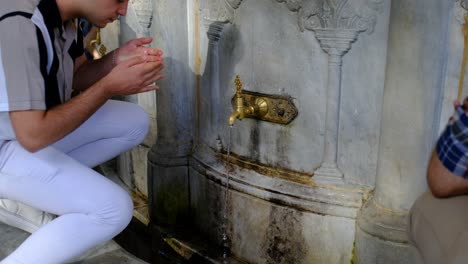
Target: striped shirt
(37, 53)
(452, 146)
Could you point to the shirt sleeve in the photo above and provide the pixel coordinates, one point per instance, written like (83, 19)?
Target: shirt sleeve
(22, 85)
(452, 146)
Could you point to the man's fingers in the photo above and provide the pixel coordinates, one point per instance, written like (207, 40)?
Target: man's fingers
(151, 67)
(151, 52)
(153, 58)
(148, 88)
(156, 52)
(152, 79)
(465, 104)
(135, 61)
(146, 41)
(158, 77)
(141, 41)
(145, 89)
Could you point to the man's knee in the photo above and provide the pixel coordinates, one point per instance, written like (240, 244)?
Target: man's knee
(125, 204)
(116, 212)
(135, 121)
(141, 124)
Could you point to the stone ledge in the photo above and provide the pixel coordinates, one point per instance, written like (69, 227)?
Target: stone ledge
(383, 223)
(342, 200)
(108, 253)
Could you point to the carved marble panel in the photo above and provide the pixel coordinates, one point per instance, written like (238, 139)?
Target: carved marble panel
(454, 61)
(460, 10)
(139, 16)
(339, 14)
(218, 10)
(336, 24)
(360, 15)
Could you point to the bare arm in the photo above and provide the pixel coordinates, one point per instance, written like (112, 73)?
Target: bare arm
(89, 72)
(442, 182)
(37, 129)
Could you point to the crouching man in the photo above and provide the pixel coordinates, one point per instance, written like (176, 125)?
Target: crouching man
(49, 141)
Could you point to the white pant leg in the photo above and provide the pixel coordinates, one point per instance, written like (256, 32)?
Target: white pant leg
(115, 128)
(92, 208)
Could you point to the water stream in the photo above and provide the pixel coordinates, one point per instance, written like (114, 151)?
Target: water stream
(225, 240)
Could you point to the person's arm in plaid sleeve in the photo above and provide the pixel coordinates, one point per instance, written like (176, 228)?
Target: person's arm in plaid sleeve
(447, 173)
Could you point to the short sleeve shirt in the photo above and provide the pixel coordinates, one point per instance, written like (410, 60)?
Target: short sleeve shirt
(452, 146)
(32, 70)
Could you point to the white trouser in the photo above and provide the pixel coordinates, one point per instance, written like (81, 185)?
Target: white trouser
(59, 179)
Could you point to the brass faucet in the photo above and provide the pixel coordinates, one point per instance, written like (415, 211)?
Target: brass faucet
(242, 109)
(98, 45)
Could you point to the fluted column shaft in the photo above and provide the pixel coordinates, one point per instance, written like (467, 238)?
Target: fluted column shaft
(335, 42)
(215, 32)
(332, 115)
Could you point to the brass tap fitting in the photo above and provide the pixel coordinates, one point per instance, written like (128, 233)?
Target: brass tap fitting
(99, 49)
(242, 109)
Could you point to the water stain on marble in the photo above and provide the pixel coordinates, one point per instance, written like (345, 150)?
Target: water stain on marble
(285, 242)
(255, 142)
(283, 143)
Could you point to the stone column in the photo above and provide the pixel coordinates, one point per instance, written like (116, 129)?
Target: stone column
(414, 77)
(335, 43)
(215, 31)
(337, 25)
(168, 179)
(132, 165)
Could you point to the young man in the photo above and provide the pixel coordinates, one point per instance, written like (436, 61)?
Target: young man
(49, 141)
(447, 172)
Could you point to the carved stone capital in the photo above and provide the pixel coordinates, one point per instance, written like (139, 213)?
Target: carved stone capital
(140, 15)
(358, 15)
(215, 31)
(461, 9)
(336, 41)
(234, 4)
(338, 14)
(464, 4)
(219, 10)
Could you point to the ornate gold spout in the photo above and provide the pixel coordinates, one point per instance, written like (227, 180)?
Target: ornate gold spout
(243, 109)
(98, 45)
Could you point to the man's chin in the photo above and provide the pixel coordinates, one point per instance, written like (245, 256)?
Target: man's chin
(101, 25)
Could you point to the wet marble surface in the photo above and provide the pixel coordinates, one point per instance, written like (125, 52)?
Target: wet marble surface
(108, 253)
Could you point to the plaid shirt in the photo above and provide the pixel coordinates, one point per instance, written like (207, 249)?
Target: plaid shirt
(452, 146)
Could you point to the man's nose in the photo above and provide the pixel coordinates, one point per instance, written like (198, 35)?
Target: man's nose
(123, 8)
(123, 11)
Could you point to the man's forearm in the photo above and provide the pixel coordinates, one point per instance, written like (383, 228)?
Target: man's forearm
(36, 129)
(92, 71)
(442, 182)
(56, 123)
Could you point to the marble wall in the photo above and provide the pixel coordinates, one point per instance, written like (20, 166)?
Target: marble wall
(373, 82)
(267, 44)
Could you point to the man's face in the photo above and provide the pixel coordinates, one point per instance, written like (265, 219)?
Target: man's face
(103, 12)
